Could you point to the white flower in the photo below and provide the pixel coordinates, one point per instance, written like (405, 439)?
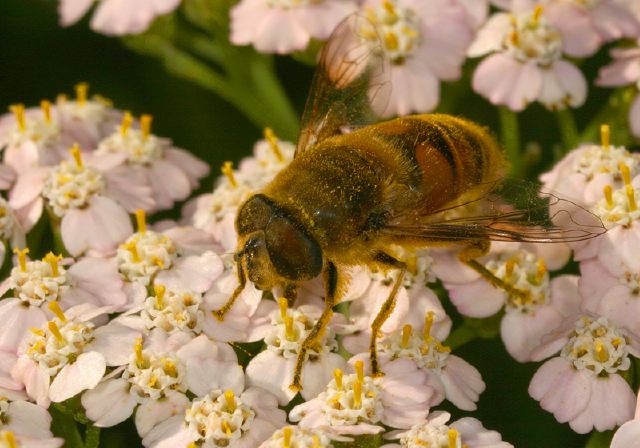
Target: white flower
(297, 437)
(24, 424)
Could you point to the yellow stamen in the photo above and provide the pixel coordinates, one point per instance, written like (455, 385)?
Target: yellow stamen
(141, 221)
(82, 90)
(391, 41)
(515, 39)
(406, 335)
(273, 143)
(10, 439)
(428, 323)
(605, 136)
(137, 348)
(631, 198)
(290, 333)
(18, 112)
(170, 368)
(284, 306)
(36, 331)
(453, 438)
(608, 195)
(53, 262)
(159, 291)
(359, 365)
(22, 257)
(230, 398)
(601, 352)
(54, 307)
(509, 267)
(45, 106)
(357, 394)
(145, 125)
(77, 155)
(158, 262)
(537, 12)
(390, 7)
(616, 342)
(542, 269)
(227, 170)
(625, 173)
(153, 381)
(55, 331)
(286, 435)
(127, 120)
(337, 376)
(442, 348)
(226, 428)
(316, 441)
(131, 247)
(192, 445)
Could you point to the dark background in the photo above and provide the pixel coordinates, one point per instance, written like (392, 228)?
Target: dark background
(39, 59)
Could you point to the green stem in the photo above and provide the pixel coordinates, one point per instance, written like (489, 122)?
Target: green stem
(599, 439)
(92, 437)
(568, 129)
(510, 133)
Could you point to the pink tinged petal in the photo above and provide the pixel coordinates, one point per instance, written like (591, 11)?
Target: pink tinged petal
(613, 21)
(195, 272)
(166, 192)
(24, 157)
(28, 187)
(476, 299)
(99, 278)
(594, 284)
(28, 419)
(246, 16)
(477, 11)
(35, 380)
(191, 241)
(491, 35)
(273, 374)
(561, 389)
(522, 333)
(85, 373)
(504, 81)
(72, 10)
(619, 245)
(109, 403)
(622, 71)
(99, 227)
(634, 116)
(563, 84)
(413, 90)
(628, 436)
(7, 176)
(565, 296)
(30, 214)
(320, 19)
(579, 36)
(118, 17)
(476, 436)
(611, 404)
(129, 187)
(280, 32)
(448, 268)
(152, 412)
(114, 342)
(16, 320)
(193, 167)
(318, 373)
(462, 383)
(171, 433)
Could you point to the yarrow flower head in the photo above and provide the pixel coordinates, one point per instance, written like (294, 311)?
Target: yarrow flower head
(173, 310)
(25, 424)
(586, 378)
(297, 437)
(425, 42)
(526, 64)
(273, 369)
(436, 432)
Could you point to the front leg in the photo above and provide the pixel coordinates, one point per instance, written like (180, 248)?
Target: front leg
(387, 307)
(242, 282)
(330, 275)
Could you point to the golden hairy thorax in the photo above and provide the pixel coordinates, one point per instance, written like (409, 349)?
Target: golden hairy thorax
(343, 189)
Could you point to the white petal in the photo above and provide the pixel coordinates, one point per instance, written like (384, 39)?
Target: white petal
(85, 373)
(109, 403)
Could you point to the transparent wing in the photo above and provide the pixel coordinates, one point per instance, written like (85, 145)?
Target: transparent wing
(509, 210)
(351, 82)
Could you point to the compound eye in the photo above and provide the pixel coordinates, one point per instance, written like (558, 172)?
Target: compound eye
(295, 255)
(254, 215)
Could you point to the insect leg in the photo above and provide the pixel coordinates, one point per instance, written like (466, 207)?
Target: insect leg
(479, 249)
(242, 281)
(330, 275)
(387, 307)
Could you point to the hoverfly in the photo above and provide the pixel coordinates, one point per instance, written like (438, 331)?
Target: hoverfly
(354, 190)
